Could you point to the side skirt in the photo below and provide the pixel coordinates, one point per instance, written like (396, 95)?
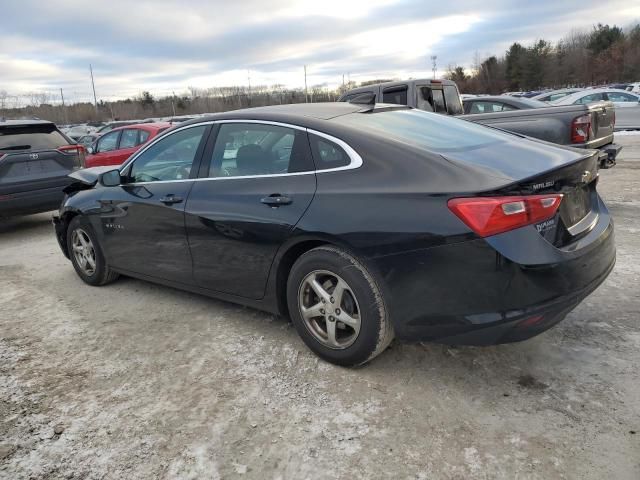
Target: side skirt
(266, 304)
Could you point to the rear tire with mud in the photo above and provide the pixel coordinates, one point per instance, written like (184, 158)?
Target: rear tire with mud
(337, 307)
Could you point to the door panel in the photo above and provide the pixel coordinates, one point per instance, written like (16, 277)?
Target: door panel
(260, 182)
(141, 233)
(234, 236)
(142, 220)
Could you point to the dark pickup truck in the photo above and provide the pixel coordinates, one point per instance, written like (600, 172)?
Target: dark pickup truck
(580, 126)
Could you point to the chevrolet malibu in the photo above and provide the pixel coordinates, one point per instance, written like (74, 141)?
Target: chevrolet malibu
(359, 222)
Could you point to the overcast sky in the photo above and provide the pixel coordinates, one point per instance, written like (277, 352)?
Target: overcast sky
(166, 45)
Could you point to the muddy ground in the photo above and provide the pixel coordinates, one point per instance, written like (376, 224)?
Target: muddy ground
(138, 381)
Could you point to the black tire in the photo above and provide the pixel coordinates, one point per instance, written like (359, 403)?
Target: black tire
(102, 274)
(375, 331)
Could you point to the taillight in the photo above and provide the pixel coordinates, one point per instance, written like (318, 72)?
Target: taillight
(74, 149)
(491, 215)
(580, 129)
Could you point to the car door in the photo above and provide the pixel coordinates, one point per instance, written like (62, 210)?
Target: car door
(142, 219)
(256, 183)
(622, 99)
(129, 141)
(104, 150)
(592, 97)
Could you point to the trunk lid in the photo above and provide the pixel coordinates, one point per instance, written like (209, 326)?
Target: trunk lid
(602, 124)
(535, 167)
(578, 209)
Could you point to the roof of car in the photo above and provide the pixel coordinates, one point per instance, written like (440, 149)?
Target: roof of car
(144, 126)
(4, 121)
(296, 112)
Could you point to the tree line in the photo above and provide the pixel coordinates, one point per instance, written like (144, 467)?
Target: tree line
(604, 55)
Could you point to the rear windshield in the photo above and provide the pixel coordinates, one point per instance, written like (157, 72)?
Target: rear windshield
(30, 137)
(426, 130)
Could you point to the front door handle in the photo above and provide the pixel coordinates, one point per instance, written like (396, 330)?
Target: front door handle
(275, 200)
(171, 199)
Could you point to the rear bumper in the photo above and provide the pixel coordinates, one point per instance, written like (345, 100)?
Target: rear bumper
(29, 202)
(505, 288)
(608, 154)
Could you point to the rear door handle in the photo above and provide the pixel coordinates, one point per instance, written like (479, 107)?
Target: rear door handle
(171, 199)
(275, 200)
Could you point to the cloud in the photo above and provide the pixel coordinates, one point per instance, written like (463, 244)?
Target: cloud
(169, 45)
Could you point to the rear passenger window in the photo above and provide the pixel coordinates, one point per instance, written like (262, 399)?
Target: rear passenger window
(129, 138)
(144, 135)
(327, 154)
(34, 137)
(397, 95)
(249, 149)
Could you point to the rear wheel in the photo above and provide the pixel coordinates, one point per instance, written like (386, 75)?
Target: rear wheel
(86, 255)
(337, 308)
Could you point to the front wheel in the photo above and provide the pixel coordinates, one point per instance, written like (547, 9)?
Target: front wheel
(86, 255)
(337, 307)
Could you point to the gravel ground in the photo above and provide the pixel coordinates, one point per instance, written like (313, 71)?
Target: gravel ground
(138, 381)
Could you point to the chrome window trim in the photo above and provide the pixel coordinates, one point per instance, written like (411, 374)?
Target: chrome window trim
(133, 157)
(355, 158)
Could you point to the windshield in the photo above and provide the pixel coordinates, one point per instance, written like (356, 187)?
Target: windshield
(426, 130)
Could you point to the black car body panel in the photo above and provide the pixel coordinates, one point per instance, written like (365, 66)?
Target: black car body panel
(441, 280)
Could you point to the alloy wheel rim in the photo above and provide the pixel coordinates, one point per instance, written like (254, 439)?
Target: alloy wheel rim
(83, 251)
(329, 309)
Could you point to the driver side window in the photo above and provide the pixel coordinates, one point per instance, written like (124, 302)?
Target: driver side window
(108, 142)
(169, 159)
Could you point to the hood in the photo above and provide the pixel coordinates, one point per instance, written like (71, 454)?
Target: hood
(89, 176)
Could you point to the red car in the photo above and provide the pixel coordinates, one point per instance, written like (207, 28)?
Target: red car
(115, 147)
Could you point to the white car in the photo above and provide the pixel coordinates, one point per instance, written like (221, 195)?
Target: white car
(620, 98)
(627, 104)
(554, 95)
(633, 87)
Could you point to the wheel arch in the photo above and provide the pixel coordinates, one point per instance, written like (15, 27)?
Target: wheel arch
(63, 226)
(290, 252)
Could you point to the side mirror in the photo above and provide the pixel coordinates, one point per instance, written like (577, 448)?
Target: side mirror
(111, 178)
(90, 150)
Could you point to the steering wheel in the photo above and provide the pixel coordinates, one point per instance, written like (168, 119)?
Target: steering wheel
(143, 177)
(183, 172)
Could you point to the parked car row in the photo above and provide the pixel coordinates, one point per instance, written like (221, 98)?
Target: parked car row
(579, 124)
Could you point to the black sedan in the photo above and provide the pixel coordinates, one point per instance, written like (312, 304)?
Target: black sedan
(500, 103)
(359, 222)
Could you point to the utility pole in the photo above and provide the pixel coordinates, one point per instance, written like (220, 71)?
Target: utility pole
(306, 91)
(64, 110)
(93, 86)
(173, 104)
(249, 77)
(433, 60)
